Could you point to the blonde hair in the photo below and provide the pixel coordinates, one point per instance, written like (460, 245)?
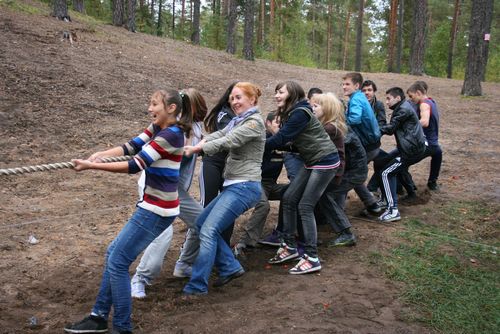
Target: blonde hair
(333, 111)
(250, 90)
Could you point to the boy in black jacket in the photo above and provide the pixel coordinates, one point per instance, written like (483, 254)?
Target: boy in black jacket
(411, 147)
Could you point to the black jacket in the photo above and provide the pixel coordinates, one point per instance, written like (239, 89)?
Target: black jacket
(356, 168)
(379, 110)
(405, 126)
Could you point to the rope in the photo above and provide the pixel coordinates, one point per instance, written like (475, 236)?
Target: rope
(57, 165)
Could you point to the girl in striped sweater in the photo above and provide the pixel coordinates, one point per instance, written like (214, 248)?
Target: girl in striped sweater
(157, 153)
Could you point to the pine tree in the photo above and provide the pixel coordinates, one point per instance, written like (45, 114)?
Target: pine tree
(419, 33)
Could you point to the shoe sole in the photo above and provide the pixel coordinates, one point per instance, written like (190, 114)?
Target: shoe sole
(343, 244)
(180, 275)
(390, 220)
(85, 330)
(307, 271)
(231, 277)
(269, 243)
(288, 258)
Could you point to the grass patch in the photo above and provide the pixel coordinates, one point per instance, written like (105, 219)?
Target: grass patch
(22, 7)
(451, 275)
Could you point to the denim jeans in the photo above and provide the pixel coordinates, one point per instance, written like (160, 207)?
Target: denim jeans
(234, 200)
(361, 190)
(142, 228)
(302, 195)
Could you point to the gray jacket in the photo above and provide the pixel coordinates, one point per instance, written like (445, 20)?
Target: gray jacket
(245, 143)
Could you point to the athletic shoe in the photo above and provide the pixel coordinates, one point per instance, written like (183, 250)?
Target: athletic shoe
(409, 199)
(306, 265)
(432, 185)
(90, 324)
(182, 269)
(300, 248)
(239, 250)
(390, 215)
(137, 287)
(223, 280)
(272, 239)
(382, 203)
(374, 208)
(284, 254)
(344, 239)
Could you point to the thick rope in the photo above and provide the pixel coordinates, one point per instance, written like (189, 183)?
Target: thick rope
(57, 165)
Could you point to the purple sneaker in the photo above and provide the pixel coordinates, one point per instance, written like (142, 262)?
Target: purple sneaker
(272, 239)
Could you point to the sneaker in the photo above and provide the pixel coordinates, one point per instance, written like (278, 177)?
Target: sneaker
(374, 208)
(239, 250)
(409, 199)
(390, 215)
(272, 239)
(306, 265)
(116, 331)
(137, 287)
(300, 248)
(432, 185)
(382, 203)
(344, 239)
(284, 254)
(182, 269)
(91, 324)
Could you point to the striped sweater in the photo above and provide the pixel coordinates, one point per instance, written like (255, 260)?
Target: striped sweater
(158, 153)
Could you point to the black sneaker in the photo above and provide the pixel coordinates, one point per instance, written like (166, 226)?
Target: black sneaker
(91, 324)
(432, 185)
(343, 240)
(409, 199)
(374, 208)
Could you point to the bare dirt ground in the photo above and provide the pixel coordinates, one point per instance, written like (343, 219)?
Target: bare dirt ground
(60, 101)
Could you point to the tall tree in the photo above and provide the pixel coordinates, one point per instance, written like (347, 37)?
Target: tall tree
(261, 26)
(173, 18)
(392, 35)
(359, 36)
(329, 33)
(118, 12)
(60, 9)
(131, 15)
(195, 34)
(419, 32)
(159, 23)
(453, 37)
(231, 27)
(346, 38)
(249, 9)
(477, 55)
(79, 6)
(183, 16)
(399, 52)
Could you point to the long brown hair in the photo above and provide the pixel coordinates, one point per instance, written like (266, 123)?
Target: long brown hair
(198, 104)
(210, 121)
(182, 107)
(295, 94)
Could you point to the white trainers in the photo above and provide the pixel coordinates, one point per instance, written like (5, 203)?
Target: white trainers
(182, 269)
(137, 287)
(390, 215)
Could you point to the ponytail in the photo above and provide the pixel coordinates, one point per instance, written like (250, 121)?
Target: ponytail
(182, 107)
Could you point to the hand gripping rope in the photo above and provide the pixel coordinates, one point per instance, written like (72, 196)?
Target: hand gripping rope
(57, 165)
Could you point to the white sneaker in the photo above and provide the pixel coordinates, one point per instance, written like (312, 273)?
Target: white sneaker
(137, 287)
(390, 215)
(182, 269)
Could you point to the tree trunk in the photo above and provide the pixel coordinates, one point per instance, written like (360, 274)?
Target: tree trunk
(359, 36)
(392, 35)
(417, 49)
(131, 15)
(249, 8)
(477, 55)
(346, 39)
(453, 37)
(183, 16)
(79, 6)
(60, 9)
(399, 53)
(195, 35)
(118, 11)
(173, 18)
(329, 34)
(153, 8)
(261, 26)
(159, 24)
(231, 27)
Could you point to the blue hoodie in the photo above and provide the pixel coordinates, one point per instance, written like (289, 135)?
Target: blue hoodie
(359, 115)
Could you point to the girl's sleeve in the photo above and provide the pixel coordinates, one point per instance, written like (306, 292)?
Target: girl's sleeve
(291, 129)
(135, 145)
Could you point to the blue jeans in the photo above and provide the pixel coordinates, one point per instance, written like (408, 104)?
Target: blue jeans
(214, 219)
(302, 195)
(142, 228)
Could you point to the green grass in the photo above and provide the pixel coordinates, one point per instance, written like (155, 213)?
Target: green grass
(21, 7)
(451, 275)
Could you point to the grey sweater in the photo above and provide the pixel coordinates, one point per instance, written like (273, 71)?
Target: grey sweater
(245, 143)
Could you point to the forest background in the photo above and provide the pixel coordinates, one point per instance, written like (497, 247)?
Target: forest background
(422, 37)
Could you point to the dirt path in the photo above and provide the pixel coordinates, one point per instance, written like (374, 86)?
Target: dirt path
(60, 101)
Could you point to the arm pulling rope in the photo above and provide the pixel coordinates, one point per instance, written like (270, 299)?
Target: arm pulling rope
(57, 165)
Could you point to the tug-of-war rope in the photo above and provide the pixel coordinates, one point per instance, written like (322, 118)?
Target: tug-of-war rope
(57, 165)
